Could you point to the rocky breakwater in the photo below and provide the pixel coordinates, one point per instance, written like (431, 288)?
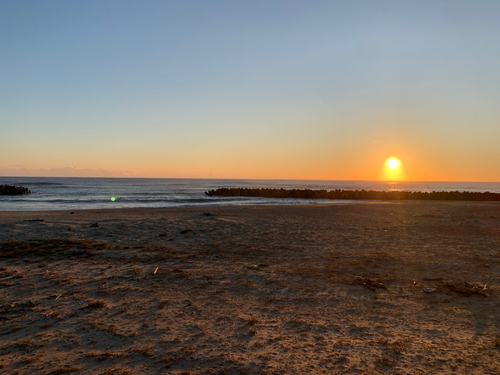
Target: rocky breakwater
(13, 190)
(355, 194)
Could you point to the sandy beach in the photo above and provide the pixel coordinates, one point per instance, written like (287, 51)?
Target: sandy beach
(373, 288)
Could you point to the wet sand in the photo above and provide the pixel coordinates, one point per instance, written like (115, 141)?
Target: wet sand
(252, 290)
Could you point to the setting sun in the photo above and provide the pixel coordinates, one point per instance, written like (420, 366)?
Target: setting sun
(393, 170)
(393, 163)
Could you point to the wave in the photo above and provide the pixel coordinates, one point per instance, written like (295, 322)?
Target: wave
(42, 183)
(82, 193)
(120, 200)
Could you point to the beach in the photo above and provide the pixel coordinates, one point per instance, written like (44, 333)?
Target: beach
(406, 287)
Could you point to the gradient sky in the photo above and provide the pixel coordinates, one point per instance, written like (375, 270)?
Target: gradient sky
(250, 89)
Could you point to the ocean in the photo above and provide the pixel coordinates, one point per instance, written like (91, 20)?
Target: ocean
(51, 193)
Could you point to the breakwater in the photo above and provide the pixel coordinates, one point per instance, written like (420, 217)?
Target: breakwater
(355, 194)
(13, 190)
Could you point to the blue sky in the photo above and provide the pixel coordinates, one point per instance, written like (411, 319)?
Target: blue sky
(258, 89)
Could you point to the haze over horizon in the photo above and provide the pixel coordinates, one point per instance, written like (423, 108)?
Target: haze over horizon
(255, 90)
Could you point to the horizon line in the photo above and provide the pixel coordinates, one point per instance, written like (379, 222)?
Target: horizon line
(254, 179)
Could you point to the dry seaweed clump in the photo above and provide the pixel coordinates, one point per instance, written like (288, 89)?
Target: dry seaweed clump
(97, 304)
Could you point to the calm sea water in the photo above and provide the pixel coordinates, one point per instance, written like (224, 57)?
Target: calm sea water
(90, 193)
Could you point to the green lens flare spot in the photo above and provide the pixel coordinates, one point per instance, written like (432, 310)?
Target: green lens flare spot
(113, 199)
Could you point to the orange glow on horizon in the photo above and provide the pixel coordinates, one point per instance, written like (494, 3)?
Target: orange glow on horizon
(393, 170)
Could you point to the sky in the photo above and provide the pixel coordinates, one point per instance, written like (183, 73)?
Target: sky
(317, 90)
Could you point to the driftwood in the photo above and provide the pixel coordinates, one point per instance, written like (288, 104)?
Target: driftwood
(461, 287)
(467, 289)
(369, 283)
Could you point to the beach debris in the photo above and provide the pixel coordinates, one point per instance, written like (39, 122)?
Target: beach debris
(33, 220)
(207, 214)
(58, 297)
(466, 289)
(186, 231)
(461, 287)
(369, 283)
(163, 235)
(96, 304)
(71, 213)
(156, 270)
(94, 225)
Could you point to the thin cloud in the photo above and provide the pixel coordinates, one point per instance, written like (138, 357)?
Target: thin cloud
(61, 172)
